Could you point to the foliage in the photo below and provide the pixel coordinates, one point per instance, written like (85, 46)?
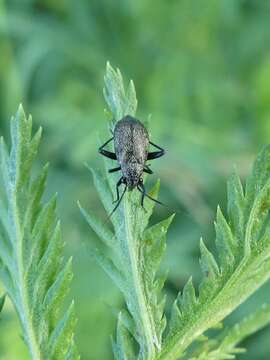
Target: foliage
(136, 249)
(203, 74)
(243, 250)
(225, 347)
(32, 268)
(243, 246)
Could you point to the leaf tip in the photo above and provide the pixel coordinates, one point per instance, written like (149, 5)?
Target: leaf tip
(20, 109)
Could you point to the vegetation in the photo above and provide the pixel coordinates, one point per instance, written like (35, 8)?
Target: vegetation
(203, 75)
(31, 249)
(243, 264)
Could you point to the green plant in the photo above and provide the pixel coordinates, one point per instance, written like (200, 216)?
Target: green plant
(37, 280)
(225, 345)
(135, 251)
(31, 249)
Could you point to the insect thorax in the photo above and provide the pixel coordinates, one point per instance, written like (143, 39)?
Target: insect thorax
(132, 173)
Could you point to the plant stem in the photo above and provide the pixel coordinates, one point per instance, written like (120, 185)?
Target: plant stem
(140, 302)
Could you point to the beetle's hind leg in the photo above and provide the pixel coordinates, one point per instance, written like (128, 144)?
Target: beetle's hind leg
(119, 198)
(107, 153)
(155, 154)
(147, 170)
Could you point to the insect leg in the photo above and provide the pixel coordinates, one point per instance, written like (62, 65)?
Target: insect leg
(147, 169)
(107, 153)
(155, 154)
(120, 182)
(119, 201)
(156, 146)
(142, 190)
(115, 169)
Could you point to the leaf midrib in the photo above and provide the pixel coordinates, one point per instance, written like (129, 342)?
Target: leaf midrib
(137, 282)
(24, 303)
(175, 347)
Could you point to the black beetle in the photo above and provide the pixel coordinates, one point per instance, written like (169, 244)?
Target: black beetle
(131, 143)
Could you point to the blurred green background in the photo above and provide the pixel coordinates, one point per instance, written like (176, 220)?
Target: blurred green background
(201, 69)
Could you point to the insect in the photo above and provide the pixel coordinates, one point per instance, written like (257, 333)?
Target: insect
(131, 143)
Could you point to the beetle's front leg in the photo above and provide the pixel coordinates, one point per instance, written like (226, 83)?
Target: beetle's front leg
(119, 198)
(107, 153)
(120, 182)
(141, 188)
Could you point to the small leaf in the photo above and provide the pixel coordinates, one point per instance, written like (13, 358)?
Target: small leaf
(31, 154)
(225, 242)
(188, 300)
(42, 230)
(57, 293)
(176, 316)
(236, 204)
(62, 336)
(260, 174)
(114, 92)
(131, 100)
(125, 344)
(36, 192)
(208, 263)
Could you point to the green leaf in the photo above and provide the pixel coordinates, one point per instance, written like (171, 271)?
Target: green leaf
(225, 242)
(189, 300)
(236, 208)
(208, 263)
(243, 246)
(124, 346)
(31, 255)
(226, 346)
(120, 103)
(131, 100)
(61, 337)
(259, 176)
(134, 250)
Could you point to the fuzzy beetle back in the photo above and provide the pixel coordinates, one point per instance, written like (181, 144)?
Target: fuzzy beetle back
(131, 142)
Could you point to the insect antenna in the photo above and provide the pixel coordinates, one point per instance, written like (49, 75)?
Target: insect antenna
(119, 201)
(155, 200)
(141, 188)
(151, 198)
